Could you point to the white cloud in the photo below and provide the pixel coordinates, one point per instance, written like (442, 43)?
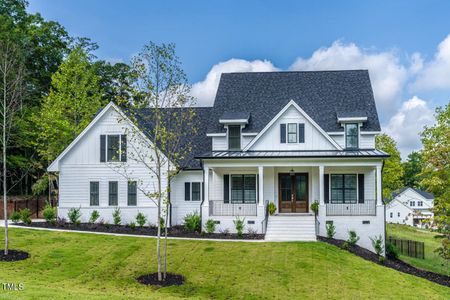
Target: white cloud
(436, 73)
(388, 76)
(405, 126)
(205, 91)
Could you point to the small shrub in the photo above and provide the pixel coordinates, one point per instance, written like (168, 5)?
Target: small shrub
(192, 222)
(381, 259)
(117, 219)
(377, 244)
(15, 217)
(353, 238)
(272, 208)
(25, 216)
(141, 219)
(444, 250)
(74, 215)
(162, 223)
(345, 245)
(132, 225)
(210, 226)
(239, 225)
(315, 207)
(94, 216)
(49, 213)
(61, 221)
(391, 251)
(331, 230)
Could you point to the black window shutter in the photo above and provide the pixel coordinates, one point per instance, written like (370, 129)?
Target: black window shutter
(187, 191)
(360, 188)
(102, 148)
(123, 153)
(301, 133)
(283, 133)
(326, 187)
(226, 188)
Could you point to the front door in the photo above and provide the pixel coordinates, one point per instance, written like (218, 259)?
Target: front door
(293, 193)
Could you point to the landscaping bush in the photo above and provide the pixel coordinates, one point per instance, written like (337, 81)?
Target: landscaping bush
(141, 219)
(391, 251)
(210, 226)
(315, 207)
(161, 222)
(377, 244)
(25, 216)
(239, 225)
(192, 222)
(61, 221)
(49, 213)
(117, 219)
(94, 216)
(331, 230)
(132, 225)
(353, 238)
(271, 207)
(345, 245)
(15, 217)
(74, 215)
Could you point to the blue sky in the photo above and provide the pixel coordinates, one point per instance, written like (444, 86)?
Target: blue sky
(403, 44)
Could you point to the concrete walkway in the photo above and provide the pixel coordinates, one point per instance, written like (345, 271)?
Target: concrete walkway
(10, 225)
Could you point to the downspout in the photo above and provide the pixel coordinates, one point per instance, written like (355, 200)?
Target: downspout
(203, 193)
(384, 220)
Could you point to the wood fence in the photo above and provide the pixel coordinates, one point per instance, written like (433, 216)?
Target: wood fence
(408, 247)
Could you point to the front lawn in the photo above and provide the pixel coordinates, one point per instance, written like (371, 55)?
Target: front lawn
(88, 266)
(432, 261)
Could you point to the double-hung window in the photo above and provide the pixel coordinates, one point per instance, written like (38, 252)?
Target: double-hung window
(113, 148)
(113, 193)
(344, 188)
(192, 191)
(243, 188)
(412, 203)
(94, 193)
(292, 133)
(234, 137)
(132, 193)
(419, 203)
(351, 136)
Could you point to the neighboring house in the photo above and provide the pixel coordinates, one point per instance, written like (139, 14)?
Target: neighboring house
(290, 138)
(410, 206)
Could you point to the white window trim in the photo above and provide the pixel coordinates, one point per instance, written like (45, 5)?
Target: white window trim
(359, 136)
(357, 186)
(228, 140)
(190, 192)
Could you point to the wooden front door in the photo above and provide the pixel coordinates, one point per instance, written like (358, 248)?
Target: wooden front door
(293, 193)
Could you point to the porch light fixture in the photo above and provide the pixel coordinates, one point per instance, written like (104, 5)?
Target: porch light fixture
(292, 172)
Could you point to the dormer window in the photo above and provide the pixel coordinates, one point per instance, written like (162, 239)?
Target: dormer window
(351, 135)
(292, 133)
(234, 137)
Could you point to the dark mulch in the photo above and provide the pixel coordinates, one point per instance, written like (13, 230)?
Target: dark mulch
(395, 264)
(152, 279)
(13, 255)
(174, 231)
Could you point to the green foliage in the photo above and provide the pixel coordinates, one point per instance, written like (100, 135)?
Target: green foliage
(353, 238)
(239, 224)
(315, 207)
(392, 170)
(49, 213)
(132, 225)
(444, 250)
(25, 216)
(271, 207)
(377, 244)
(15, 217)
(117, 219)
(381, 259)
(331, 230)
(345, 245)
(141, 219)
(210, 226)
(412, 169)
(391, 251)
(94, 216)
(162, 223)
(192, 222)
(74, 215)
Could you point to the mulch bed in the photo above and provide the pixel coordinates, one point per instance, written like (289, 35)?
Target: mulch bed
(13, 255)
(174, 231)
(395, 264)
(152, 279)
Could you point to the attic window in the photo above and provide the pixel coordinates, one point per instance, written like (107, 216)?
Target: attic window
(234, 137)
(351, 135)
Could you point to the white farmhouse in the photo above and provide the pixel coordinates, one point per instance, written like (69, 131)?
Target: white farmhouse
(410, 206)
(290, 138)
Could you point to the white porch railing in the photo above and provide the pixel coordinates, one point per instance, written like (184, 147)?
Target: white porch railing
(368, 208)
(219, 208)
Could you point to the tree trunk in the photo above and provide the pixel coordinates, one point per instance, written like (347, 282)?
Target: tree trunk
(5, 204)
(158, 240)
(165, 240)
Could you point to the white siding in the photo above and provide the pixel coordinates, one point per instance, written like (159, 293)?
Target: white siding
(181, 207)
(219, 143)
(366, 141)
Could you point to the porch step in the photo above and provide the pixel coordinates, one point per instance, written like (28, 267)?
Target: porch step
(292, 227)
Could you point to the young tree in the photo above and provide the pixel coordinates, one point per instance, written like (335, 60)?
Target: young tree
(163, 89)
(412, 169)
(392, 171)
(12, 90)
(436, 172)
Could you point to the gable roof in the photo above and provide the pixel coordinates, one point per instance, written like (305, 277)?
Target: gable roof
(424, 194)
(321, 94)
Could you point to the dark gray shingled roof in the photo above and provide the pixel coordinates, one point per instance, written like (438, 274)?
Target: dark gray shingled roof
(235, 115)
(424, 194)
(319, 93)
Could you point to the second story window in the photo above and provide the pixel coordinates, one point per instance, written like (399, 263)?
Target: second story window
(292, 133)
(234, 137)
(351, 136)
(113, 148)
(412, 203)
(419, 203)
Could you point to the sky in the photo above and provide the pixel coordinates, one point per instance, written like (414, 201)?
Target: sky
(405, 45)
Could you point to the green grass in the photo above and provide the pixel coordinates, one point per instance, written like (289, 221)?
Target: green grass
(88, 266)
(432, 261)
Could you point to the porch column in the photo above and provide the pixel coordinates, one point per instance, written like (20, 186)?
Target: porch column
(206, 186)
(379, 186)
(321, 183)
(261, 185)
